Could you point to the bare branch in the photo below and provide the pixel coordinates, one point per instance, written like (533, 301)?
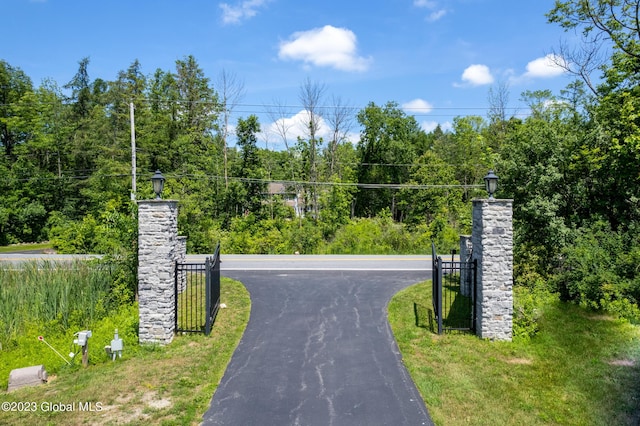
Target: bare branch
(581, 61)
(231, 90)
(278, 114)
(498, 101)
(340, 118)
(310, 96)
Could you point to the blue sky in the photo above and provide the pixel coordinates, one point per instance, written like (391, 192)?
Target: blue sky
(436, 58)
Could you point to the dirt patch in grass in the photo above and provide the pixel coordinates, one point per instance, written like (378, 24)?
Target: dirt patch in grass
(519, 361)
(623, 362)
(136, 410)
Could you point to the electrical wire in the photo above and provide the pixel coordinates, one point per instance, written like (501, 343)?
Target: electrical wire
(289, 110)
(285, 182)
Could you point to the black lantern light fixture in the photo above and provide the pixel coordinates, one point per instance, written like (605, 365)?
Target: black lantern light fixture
(158, 183)
(491, 183)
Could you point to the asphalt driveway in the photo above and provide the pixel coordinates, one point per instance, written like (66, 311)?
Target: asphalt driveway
(318, 350)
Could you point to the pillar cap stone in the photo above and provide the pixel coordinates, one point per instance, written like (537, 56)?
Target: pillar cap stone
(494, 200)
(161, 201)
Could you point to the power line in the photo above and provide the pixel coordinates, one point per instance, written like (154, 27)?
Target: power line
(362, 185)
(85, 173)
(261, 108)
(264, 181)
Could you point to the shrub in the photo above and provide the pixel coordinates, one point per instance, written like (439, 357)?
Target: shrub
(528, 307)
(303, 237)
(599, 271)
(588, 265)
(359, 236)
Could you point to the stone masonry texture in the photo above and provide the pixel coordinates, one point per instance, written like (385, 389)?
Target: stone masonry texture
(492, 242)
(157, 241)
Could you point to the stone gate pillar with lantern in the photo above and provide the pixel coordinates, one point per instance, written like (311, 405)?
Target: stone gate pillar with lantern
(157, 251)
(492, 245)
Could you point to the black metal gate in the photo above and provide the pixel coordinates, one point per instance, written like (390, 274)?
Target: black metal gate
(454, 293)
(197, 295)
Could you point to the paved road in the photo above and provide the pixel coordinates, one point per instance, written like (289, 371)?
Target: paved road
(233, 262)
(259, 262)
(318, 350)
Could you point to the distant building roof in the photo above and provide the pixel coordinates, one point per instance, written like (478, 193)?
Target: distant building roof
(277, 188)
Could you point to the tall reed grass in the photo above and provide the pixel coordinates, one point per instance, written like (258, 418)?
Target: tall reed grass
(51, 294)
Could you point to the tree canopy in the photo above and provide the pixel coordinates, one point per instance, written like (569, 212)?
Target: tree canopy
(571, 164)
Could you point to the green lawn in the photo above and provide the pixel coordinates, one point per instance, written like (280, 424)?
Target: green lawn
(149, 385)
(16, 248)
(580, 369)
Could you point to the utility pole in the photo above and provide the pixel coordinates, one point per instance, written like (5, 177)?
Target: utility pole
(133, 152)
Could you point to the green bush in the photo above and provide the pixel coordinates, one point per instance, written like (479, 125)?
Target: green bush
(378, 235)
(304, 237)
(617, 301)
(531, 265)
(359, 236)
(73, 237)
(600, 271)
(114, 231)
(251, 234)
(589, 264)
(528, 307)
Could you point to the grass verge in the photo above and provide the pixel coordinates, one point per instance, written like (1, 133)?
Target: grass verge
(581, 368)
(17, 248)
(155, 385)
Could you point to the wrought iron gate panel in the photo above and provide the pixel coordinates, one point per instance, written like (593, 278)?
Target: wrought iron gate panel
(197, 295)
(436, 287)
(213, 289)
(454, 293)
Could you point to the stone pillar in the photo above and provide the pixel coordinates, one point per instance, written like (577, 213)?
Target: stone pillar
(157, 240)
(465, 256)
(492, 242)
(181, 256)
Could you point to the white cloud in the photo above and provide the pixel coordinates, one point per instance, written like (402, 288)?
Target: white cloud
(325, 47)
(296, 127)
(554, 103)
(420, 107)
(430, 126)
(436, 15)
(433, 5)
(546, 67)
(244, 10)
(417, 106)
(425, 3)
(476, 75)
